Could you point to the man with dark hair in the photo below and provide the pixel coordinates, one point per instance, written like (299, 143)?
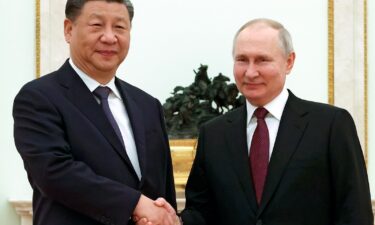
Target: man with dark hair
(277, 160)
(94, 147)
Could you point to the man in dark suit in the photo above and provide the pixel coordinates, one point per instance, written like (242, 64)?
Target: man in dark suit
(315, 172)
(94, 147)
(278, 160)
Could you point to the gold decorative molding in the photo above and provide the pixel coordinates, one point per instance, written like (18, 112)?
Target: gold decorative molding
(183, 153)
(37, 37)
(331, 53)
(366, 77)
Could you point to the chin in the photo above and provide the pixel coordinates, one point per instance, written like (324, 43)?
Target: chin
(255, 100)
(107, 65)
(252, 95)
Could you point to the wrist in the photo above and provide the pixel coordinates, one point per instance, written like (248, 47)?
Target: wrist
(179, 220)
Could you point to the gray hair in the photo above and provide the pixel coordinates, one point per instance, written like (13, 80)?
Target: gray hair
(284, 35)
(73, 7)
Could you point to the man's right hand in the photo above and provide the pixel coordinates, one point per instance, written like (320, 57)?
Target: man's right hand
(151, 213)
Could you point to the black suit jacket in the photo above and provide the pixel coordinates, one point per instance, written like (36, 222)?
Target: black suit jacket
(316, 174)
(76, 165)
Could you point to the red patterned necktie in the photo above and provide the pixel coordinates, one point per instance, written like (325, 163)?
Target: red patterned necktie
(259, 153)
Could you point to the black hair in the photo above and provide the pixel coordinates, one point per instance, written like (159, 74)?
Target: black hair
(73, 7)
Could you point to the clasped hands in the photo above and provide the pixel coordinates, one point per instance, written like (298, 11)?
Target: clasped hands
(158, 212)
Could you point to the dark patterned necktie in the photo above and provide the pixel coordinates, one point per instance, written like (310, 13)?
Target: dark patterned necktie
(102, 93)
(259, 153)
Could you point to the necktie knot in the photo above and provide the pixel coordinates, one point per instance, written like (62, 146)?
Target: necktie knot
(102, 92)
(260, 113)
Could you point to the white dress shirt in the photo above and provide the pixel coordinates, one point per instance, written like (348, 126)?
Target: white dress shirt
(275, 110)
(119, 112)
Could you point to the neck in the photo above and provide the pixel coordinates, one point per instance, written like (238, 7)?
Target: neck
(102, 78)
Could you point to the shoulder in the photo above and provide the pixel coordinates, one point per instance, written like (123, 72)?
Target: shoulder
(312, 107)
(320, 114)
(46, 84)
(234, 116)
(136, 94)
(50, 82)
(132, 89)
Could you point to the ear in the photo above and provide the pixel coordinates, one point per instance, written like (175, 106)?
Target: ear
(68, 27)
(290, 62)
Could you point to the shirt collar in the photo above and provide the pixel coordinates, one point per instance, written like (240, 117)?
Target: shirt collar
(93, 84)
(275, 107)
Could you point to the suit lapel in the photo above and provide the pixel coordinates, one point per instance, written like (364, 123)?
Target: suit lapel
(292, 126)
(83, 99)
(236, 139)
(137, 123)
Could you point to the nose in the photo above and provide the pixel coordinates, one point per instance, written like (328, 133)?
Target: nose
(251, 70)
(109, 36)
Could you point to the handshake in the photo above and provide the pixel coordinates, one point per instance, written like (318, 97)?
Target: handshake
(158, 212)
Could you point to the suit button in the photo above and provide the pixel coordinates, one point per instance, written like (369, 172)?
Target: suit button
(259, 222)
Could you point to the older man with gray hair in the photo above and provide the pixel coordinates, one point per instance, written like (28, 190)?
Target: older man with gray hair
(279, 159)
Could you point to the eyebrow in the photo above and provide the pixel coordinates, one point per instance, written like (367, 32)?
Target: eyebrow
(100, 16)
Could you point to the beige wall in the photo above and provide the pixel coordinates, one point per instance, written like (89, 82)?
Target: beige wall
(172, 38)
(371, 95)
(17, 66)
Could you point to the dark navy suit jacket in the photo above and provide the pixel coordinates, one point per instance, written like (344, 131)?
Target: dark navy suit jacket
(76, 165)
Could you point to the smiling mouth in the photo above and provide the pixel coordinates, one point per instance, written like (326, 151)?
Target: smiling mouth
(252, 84)
(107, 52)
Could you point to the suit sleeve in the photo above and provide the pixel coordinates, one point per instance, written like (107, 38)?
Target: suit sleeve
(41, 140)
(352, 204)
(199, 208)
(170, 188)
